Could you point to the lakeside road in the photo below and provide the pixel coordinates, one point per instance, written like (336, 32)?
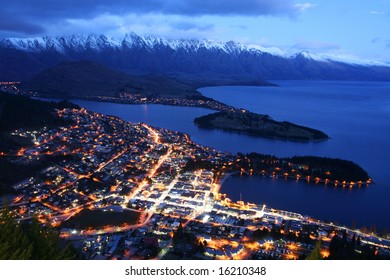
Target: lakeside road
(162, 190)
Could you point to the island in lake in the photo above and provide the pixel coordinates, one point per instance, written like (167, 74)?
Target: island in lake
(93, 81)
(243, 121)
(122, 190)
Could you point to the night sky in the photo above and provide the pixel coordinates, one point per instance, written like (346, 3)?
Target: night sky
(346, 29)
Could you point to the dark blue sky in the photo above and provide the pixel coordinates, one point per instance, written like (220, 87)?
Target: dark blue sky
(348, 29)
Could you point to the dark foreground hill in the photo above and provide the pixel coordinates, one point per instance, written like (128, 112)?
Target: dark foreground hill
(87, 79)
(19, 112)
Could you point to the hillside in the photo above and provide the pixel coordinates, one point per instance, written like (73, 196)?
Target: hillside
(87, 78)
(19, 112)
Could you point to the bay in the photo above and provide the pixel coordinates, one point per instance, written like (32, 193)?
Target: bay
(356, 115)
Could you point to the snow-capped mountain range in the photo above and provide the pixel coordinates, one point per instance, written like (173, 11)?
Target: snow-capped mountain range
(131, 40)
(99, 42)
(23, 57)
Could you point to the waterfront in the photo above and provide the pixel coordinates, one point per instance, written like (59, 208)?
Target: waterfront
(354, 114)
(107, 166)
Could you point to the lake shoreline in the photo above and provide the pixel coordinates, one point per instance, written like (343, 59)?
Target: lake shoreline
(339, 108)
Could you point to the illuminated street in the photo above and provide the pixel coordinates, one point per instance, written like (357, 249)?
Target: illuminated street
(115, 167)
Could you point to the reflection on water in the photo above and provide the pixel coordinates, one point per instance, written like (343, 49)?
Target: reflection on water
(353, 114)
(350, 112)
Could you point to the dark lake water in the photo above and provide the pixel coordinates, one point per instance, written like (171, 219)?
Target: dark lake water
(356, 115)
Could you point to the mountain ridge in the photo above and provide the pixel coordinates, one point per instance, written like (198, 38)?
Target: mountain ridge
(149, 54)
(97, 42)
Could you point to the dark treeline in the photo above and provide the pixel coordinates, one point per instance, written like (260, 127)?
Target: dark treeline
(246, 118)
(331, 168)
(318, 168)
(31, 241)
(259, 125)
(344, 248)
(317, 134)
(23, 112)
(321, 167)
(185, 244)
(198, 164)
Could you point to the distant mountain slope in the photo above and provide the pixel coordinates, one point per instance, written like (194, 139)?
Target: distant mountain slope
(21, 59)
(78, 78)
(87, 78)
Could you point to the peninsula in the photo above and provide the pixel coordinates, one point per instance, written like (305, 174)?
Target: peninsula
(93, 81)
(121, 190)
(243, 121)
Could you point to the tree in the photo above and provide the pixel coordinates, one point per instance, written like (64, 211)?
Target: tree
(316, 253)
(30, 241)
(178, 235)
(14, 244)
(385, 232)
(358, 241)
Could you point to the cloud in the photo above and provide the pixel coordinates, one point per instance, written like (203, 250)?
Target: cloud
(304, 6)
(174, 7)
(381, 42)
(387, 44)
(376, 13)
(34, 17)
(14, 24)
(172, 27)
(239, 26)
(316, 46)
(187, 25)
(230, 7)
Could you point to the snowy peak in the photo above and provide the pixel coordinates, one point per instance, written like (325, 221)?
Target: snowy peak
(340, 58)
(60, 44)
(150, 54)
(310, 56)
(130, 40)
(97, 43)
